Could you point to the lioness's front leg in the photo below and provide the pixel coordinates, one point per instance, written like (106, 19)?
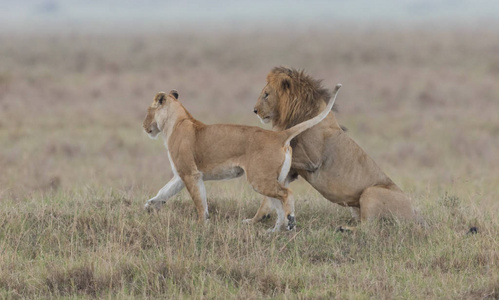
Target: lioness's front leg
(195, 186)
(174, 186)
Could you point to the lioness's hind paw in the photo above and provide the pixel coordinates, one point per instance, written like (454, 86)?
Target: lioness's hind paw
(291, 222)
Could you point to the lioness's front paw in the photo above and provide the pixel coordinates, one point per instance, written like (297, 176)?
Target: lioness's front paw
(152, 206)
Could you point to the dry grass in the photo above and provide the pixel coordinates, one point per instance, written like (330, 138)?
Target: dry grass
(76, 168)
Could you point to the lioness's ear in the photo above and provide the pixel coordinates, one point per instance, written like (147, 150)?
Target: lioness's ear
(174, 93)
(160, 97)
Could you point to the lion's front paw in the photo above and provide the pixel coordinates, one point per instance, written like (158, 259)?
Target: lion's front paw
(273, 230)
(345, 229)
(277, 228)
(255, 220)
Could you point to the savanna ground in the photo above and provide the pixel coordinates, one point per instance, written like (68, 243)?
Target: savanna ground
(76, 167)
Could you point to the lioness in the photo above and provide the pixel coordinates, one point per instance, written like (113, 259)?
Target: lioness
(199, 152)
(325, 156)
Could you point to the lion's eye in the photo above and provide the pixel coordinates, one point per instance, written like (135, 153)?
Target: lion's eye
(265, 95)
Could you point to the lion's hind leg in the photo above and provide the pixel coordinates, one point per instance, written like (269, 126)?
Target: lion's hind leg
(381, 202)
(378, 202)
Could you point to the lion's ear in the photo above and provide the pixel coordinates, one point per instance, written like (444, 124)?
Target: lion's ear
(174, 93)
(285, 84)
(160, 97)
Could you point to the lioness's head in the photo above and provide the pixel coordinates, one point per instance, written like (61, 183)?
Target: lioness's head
(157, 112)
(290, 97)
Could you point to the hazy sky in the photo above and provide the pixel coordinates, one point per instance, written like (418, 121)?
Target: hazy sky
(38, 13)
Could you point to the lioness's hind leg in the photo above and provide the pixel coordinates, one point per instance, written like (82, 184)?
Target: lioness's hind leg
(291, 208)
(266, 208)
(174, 186)
(284, 208)
(281, 220)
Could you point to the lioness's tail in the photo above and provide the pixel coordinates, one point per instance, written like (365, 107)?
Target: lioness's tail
(299, 128)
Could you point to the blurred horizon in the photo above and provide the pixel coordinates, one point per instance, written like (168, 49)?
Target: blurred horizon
(58, 15)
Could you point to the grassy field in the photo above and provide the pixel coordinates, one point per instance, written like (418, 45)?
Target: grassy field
(76, 167)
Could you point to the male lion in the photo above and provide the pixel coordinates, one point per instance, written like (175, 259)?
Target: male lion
(199, 152)
(324, 155)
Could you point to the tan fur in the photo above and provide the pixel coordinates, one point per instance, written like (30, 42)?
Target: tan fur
(199, 152)
(324, 155)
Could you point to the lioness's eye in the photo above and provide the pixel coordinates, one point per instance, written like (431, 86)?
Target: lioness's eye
(265, 95)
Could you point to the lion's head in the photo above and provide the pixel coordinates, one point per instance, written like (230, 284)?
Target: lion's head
(157, 112)
(290, 97)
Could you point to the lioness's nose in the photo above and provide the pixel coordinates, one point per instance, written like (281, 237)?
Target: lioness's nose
(255, 111)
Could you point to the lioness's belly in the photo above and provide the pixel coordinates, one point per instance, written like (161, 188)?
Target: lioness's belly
(222, 173)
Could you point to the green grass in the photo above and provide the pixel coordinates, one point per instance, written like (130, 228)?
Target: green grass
(101, 243)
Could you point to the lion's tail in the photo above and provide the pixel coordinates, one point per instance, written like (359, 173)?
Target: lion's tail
(299, 128)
